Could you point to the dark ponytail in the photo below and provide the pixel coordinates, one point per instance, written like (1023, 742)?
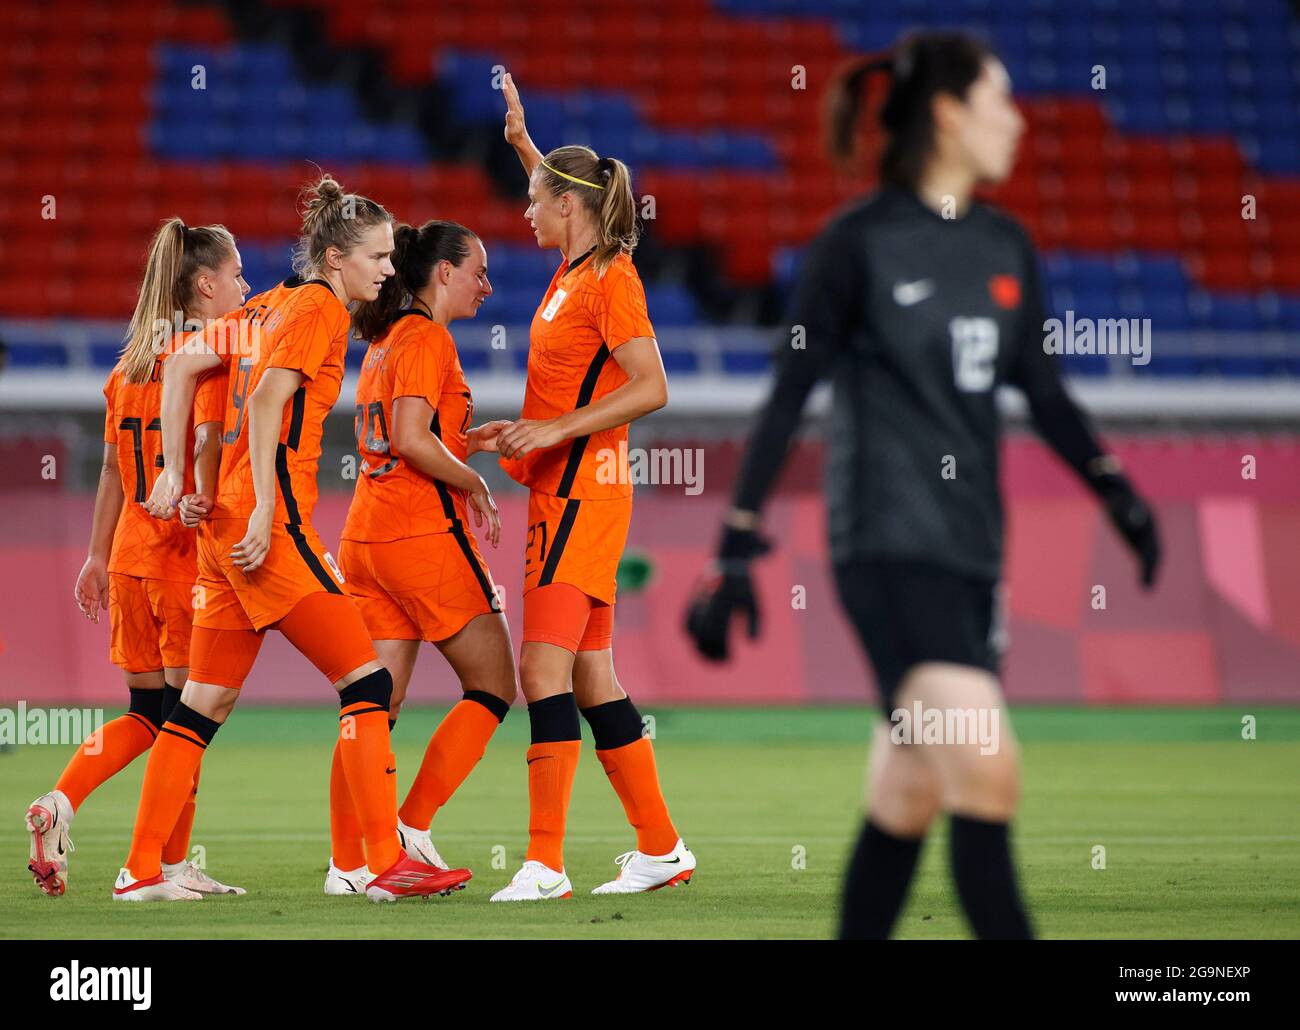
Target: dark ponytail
(921, 66)
(416, 253)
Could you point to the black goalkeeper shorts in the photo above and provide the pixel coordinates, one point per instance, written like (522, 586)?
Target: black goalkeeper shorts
(907, 612)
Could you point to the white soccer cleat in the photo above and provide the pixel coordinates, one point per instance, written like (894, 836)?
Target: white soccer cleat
(156, 888)
(417, 845)
(641, 872)
(47, 820)
(535, 882)
(339, 882)
(191, 877)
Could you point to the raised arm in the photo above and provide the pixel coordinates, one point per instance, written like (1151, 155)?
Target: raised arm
(516, 133)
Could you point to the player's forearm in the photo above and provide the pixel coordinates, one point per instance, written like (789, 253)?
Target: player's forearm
(430, 455)
(769, 444)
(181, 374)
(639, 396)
(109, 501)
(207, 457)
(529, 156)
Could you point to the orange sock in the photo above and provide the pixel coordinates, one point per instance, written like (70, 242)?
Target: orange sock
(455, 748)
(551, 768)
(105, 753)
(177, 848)
(168, 780)
(347, 848)
(368, 763)
(633, 775)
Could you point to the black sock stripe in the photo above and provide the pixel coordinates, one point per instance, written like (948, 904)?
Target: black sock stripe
(144, 722)
(363, 711)
(498, 706)
(554, 719)
(185, 737)
(567, 519)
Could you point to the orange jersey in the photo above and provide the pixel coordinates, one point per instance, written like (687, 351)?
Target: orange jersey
(143, 546)
(297, 325)
(416, 357)
(582, 319)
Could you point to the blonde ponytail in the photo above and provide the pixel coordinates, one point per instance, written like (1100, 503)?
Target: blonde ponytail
(166, 298)
(604, 186)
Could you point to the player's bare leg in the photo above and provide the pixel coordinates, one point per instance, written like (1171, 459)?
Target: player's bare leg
(980, 789)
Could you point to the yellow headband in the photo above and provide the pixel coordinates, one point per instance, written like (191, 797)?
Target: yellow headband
(572, 178)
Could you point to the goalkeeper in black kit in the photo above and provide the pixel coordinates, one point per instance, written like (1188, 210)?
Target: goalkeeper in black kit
(918, 302)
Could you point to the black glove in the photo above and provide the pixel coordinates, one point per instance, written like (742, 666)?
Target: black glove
(1132, 517)
(727, 591)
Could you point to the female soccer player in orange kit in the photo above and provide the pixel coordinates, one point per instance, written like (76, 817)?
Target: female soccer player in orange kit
(141, 570)
(262, 564)
(413, 567)
(573, 430)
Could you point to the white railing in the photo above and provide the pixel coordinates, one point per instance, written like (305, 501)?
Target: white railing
(710, 391)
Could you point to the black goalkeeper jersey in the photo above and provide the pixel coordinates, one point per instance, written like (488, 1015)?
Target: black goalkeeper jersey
(916, 319)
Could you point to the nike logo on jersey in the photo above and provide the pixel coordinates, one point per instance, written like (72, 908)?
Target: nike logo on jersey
(907, 294)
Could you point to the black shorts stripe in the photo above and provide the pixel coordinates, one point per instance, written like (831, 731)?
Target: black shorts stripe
(458, 531)
(567, 519)
(186, 737)
(579, 445)
(309, 556)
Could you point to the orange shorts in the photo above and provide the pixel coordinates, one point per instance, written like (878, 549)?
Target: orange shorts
(296, 567)
(576, 542)
(563, 615)
(325, 628)
(149, 623)
(419, 588)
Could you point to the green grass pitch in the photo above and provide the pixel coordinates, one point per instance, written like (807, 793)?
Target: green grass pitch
(1201, 831)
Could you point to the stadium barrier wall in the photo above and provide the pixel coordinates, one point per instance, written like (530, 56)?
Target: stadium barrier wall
(1223, 624)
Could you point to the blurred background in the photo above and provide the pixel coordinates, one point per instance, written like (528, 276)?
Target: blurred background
(1160, 178)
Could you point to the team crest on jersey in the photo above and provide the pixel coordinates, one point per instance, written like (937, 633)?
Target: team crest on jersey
(334, 568)
(549, 311)
(1005, 290)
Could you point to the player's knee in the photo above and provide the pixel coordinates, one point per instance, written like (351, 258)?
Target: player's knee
(537, 678)
(987, 785)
